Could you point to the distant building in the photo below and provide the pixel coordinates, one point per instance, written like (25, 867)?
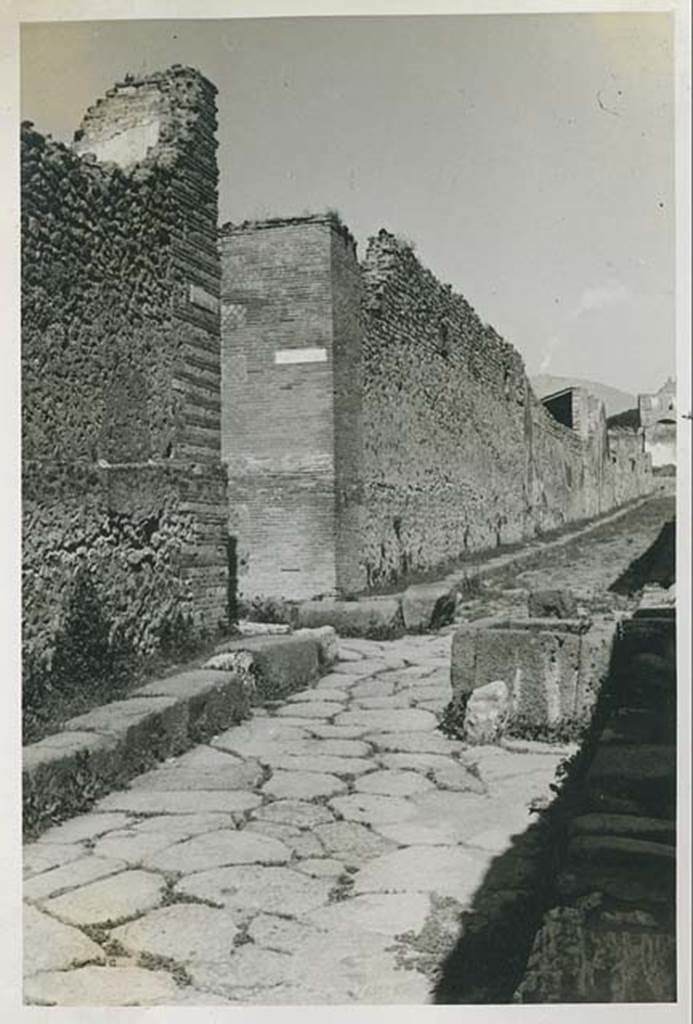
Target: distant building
(657, 414)
(577, 409)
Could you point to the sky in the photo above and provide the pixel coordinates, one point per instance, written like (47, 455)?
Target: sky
(530, 158)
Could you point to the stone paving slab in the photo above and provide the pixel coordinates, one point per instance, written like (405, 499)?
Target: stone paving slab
(50, 945)
(183, 932)
(109, 899)
(70, 876)
(101, 986)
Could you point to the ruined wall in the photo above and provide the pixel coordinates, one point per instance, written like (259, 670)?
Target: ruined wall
(121, 365)
(459, 454)
(291, 390)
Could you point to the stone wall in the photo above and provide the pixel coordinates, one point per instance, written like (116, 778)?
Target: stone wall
(459, 454)
(121, 367)
(414, 438)
(291, 390)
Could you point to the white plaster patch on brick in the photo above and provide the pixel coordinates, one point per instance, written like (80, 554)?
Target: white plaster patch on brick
(291, 356)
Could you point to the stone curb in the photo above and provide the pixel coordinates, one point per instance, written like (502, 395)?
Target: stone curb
(424, 606)
(99, 751)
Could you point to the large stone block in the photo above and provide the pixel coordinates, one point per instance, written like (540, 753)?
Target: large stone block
(215, 699)
(377, 617)
(281, 664)
(428, 606)
(541, 668)
(550, 604)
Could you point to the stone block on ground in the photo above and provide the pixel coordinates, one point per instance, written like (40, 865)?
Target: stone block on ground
(375, 617)
(281, 664)
(552, 604)
(62, 774)
(428, 606)
(540, 666)
(327, 640)
(215, 699)
(147, 729)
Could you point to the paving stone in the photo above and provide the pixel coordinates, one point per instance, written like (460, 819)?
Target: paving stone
(416, 762)
(445, 870)
(392, 783)
(294, 812)
(182, 932)
(320, 763)
(293, 718)
(101, 986)
(40, 856)
(407, 833)
(217, 849)
(338, 732)
(351, 842)
(184, 825)
(372, 808)
(320, 867)
(302, 843)
(442, 694)
(247, 739)
(310, 709)
(70, 876)
(49, 945)
(387, 914)
(395, 720)
(109, 899)
(84, 826)
(212, 770)
(364, 667)
(303, 785)
(152, 834)
(383, 686)
(251, 888)
(363, 647)
(381, 703)
(413, 742)
(250, 967)
(324, 694)
(350, 968)
(344, 748)
(456, 776)
(181, 802)
(131, 846)
(278, 933)
(338, 681)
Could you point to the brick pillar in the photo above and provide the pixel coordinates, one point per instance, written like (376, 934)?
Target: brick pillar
(291, 410)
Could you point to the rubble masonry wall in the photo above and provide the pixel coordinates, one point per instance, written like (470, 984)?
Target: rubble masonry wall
(121, 368)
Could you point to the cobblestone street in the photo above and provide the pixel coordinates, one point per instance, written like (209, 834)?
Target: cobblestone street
(295, 859)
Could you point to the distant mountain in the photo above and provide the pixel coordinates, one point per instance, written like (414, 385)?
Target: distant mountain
(615, 401)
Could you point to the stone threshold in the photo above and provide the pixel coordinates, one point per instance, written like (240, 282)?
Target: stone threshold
(97, 752)
(425, 606)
